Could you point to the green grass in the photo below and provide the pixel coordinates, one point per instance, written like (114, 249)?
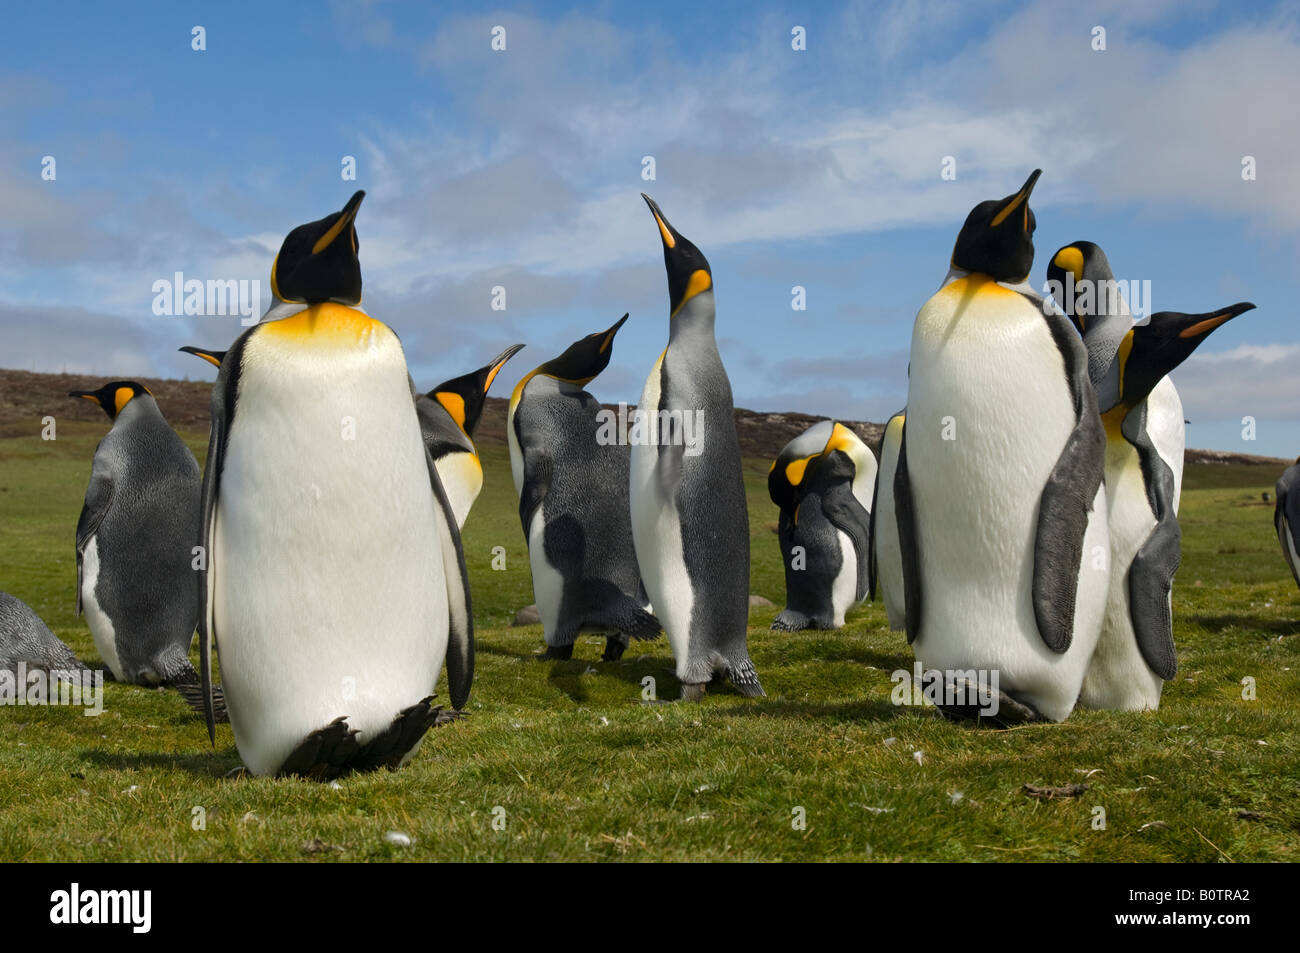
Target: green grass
(585, 770)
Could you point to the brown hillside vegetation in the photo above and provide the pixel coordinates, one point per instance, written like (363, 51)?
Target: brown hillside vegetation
(26, 397)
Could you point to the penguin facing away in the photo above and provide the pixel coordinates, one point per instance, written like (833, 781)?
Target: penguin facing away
(331, 610)
(822, 483)
(1286, 517)
(998, 484)
(26, 639)
(573, 504)
(1143, 418)
(690, 520)
(448, 415)
(886, 559)
(135, 541)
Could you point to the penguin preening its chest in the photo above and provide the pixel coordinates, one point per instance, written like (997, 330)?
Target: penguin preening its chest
(1143, 416)
(573, 504)
(690, 521)
(136, 582)
(331, 608)
(448, 415)
(822, 483)
(998, 485)
(886, 560)
(1286, 517)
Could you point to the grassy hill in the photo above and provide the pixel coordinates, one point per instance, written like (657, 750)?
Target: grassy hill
(584, 769)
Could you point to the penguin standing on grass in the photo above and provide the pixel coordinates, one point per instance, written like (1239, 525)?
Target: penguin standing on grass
(573, 503)
(1143, 417)
(335, 584)
(448, 415)
(822, 483)
(998, 486)
(690, 522)
(1286, 517)
(136, 541)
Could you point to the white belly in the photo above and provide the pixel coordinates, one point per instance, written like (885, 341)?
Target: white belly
(657, 538)
(462, 479)
(1167, 431)
(1118, 676)
(985, 368)
(101, 626)
(884, 521)
(548, 583)
(329, 595)
(844, 590)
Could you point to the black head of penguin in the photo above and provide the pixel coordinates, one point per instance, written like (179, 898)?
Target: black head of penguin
(113, 396)
(584, 358)
(1150, 351)
(318, 261)
(688, 269)
(1082, 262)
(998, 237)
(212, 357)
(462, 397)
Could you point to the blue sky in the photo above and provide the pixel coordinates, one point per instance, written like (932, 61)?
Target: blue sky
(522, 168)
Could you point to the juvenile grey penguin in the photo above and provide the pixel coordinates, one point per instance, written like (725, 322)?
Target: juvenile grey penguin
(1143, 416)
(690, 520)
(136, 540)
(335, 584)
(572, 484)
(25, 638)
(448, 415)
(822, 481)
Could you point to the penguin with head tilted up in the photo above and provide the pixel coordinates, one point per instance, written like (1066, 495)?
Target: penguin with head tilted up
(1143, 418)
(136, 582)
(998, 485)
(1286, 517)
(25, 639)
(821, 481)
(330, 608)
(448, 415)
(886, 567)
(572, 480)
(690, 520)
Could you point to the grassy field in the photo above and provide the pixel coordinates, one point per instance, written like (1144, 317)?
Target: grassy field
(577, 767)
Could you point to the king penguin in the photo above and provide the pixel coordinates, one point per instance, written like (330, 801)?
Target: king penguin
(136, 539)
(1143, 417)
(330, 608)
(448, 415)
(1286, 517)
(571, 476)
(821, 482)
(25, 639)
(690, 521)
(886, 559)
(998, 485)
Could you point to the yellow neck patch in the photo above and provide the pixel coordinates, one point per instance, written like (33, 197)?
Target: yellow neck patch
(327, 324)
(454, 404)
(700, 281)
(1125, 349)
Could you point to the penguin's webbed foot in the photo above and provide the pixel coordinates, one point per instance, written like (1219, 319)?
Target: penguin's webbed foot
(791, 621)
(693, 691)
(614, 648)
(324, 754)
(977, 706)
(389, 748)
(556, 653)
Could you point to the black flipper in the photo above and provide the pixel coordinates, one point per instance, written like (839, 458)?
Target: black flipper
(1151, 574)
(849, 516)
(460, 617)
(908, 550)
(222, 412)
(1067, 496)
(99, 496)
(871, 533)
